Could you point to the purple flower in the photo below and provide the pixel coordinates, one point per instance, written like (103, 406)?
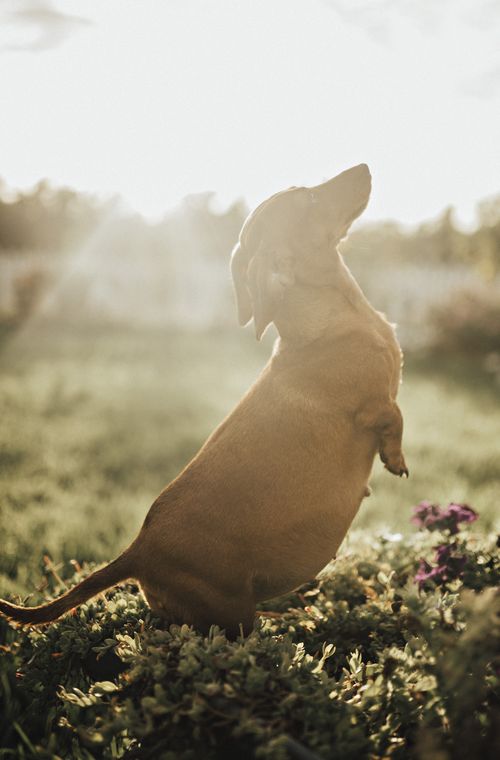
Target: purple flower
(450, 565)
(458, 513)
(425, 514)
(426, 573)
(428, 516)
(443, 553)
(450, 562)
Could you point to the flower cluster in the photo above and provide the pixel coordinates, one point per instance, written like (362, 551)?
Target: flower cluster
(450, 564)
(449, 559)
(428, 516)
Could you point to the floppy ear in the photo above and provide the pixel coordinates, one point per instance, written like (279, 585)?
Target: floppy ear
(259, 282)
(342, 199)
(240, 260)
(269, 275)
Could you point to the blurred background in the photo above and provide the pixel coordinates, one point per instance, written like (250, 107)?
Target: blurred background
(134, 139)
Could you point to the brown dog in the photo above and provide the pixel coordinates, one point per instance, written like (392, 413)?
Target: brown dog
(268, 499)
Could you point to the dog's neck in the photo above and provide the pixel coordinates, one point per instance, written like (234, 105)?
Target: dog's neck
(313, 312)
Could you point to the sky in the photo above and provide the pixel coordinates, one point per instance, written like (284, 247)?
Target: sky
(156, 99)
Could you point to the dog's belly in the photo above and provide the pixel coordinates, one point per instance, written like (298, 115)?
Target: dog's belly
(281, 580)
(300, 552)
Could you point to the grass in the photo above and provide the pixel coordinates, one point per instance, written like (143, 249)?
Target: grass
(95, 423)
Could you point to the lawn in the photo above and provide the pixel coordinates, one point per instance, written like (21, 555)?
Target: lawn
(95, 423)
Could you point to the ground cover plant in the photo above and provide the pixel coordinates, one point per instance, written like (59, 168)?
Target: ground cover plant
(393, 653)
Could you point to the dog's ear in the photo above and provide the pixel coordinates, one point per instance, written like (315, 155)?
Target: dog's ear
(260, 281)
(270, 273)
(261, 264)
(342, 199)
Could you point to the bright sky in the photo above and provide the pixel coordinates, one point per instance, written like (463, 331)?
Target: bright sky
(160, 98)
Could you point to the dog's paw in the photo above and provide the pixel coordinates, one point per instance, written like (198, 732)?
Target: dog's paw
(396, 465)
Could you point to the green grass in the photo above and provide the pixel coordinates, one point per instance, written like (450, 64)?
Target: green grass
(94, 424)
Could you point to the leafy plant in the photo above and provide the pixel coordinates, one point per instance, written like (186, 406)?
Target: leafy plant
(367, 662)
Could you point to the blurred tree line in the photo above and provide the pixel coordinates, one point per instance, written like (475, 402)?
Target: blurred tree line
(53, 219)
(115, 266)
(46, 218)
(98, 260)
(437, 242)
(49, 219)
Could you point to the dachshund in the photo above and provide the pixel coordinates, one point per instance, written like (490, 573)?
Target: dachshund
(266, 502)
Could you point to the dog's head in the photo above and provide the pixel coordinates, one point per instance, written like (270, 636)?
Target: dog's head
(291, 239)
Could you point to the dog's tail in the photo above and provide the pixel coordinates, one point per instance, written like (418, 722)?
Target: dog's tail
(118, 570)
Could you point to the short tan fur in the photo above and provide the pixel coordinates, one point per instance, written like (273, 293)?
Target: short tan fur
(266, 502)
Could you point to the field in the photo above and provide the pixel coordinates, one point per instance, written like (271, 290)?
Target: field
(95, 423)
(362, 665)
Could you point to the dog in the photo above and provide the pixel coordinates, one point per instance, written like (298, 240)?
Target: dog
(266, 502)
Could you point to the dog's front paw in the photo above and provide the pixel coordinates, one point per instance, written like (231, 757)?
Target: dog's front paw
(395, 463)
